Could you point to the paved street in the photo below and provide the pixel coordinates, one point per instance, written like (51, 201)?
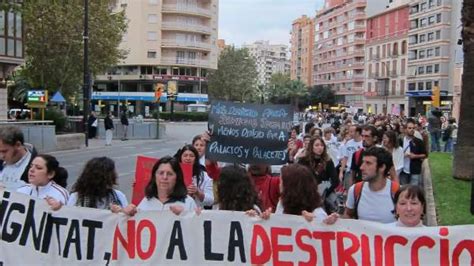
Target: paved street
(124, 153)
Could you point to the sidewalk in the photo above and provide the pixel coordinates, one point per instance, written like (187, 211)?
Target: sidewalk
(100, 143)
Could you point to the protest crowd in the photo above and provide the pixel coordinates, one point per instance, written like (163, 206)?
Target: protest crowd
(339, 166)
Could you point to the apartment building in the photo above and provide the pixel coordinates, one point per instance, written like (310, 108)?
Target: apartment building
(11, 53)
(339, 48)
(167, 41)
(432, 52)
(386, 61)
(269, 59)
(302, 43)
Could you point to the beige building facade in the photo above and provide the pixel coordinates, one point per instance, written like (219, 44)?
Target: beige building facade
(269, 59)
(166, 40)
(302, 44)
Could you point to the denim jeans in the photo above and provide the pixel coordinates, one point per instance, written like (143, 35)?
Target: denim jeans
(435, 136)
(406, 179)
(448, 145)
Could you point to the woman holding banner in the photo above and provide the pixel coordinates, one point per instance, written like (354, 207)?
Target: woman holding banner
(212, 167)
(236, 191)
(410, 206)
(95, 187)
(299, 193)
(200, 188)
(47, 180)
(166, 189)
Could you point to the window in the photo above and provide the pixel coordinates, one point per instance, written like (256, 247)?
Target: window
(438, 34)
(411, 86)
(11, 24)
(437, 51)
(152, 18)
(413, 39)
(429, 53)
(152, 36)
(404, 47)
(413, 24)
(414, 9)
(421, 70)
(412, 55)
(428, 85)
(436, 83)
(421, 86)
(402, 87)
(423, 6)
(431, 20)
(429, 69)
(430, 36)
(403, 67)
(151, 54)
(436, 68)
(423, 22)
(421, 54)
(438, 18)
(422, 38)
(430, 3)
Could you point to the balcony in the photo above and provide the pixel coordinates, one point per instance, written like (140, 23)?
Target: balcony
(189, 10)
(186, 45)
(175, 26)
(185, 61)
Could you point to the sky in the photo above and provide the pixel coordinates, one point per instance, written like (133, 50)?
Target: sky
(247, 21)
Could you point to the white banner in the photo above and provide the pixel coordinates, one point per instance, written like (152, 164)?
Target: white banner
(30, 233)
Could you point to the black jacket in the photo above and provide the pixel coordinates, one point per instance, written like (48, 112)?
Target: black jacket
(108, 123)
(417, 146)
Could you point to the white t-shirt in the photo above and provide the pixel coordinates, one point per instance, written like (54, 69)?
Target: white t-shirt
(154, 204)
(349, 149)
(73, 198)
(10, 176)
(318, 213)
(332, 147)
(205, 186)
(398, 157)
(399, 223)
(51, 189)
(406, 159)
(374, 206)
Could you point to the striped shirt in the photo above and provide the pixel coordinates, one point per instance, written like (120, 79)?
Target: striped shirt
(51, 189)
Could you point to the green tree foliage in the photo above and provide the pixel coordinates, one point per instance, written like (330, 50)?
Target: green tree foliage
(321, 94)
(235, 78)
(54, 41)
(18, 86)
(284, 90)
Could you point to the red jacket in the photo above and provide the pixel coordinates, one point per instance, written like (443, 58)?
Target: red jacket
(268, 190)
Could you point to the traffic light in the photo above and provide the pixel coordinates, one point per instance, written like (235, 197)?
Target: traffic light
(159, 88)
(435, 97)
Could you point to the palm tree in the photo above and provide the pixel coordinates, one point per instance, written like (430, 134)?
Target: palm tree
(464, 151)
(297, 89)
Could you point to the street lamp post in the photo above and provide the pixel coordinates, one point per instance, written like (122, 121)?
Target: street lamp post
(86, 89)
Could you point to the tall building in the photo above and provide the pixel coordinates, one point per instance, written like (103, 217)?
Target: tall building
(432, 51)
(167, 40)
(386, 61)
(339, 48)
(302, 43)
(11, 53)
(270, 59)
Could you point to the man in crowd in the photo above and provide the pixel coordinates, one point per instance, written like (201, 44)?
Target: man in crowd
(350, 147)
(15, 158)
(372, 199)
(415, 151)
(369, 139)
(434, 127)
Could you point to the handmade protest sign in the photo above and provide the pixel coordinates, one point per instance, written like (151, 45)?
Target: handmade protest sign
(249, 133)
(32, 234)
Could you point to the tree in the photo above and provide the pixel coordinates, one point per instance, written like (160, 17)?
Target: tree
(54, 41)
(278, 88)
(321, 94)
(235, 78)
(18, 86)
(297, 90)
(464, 151)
